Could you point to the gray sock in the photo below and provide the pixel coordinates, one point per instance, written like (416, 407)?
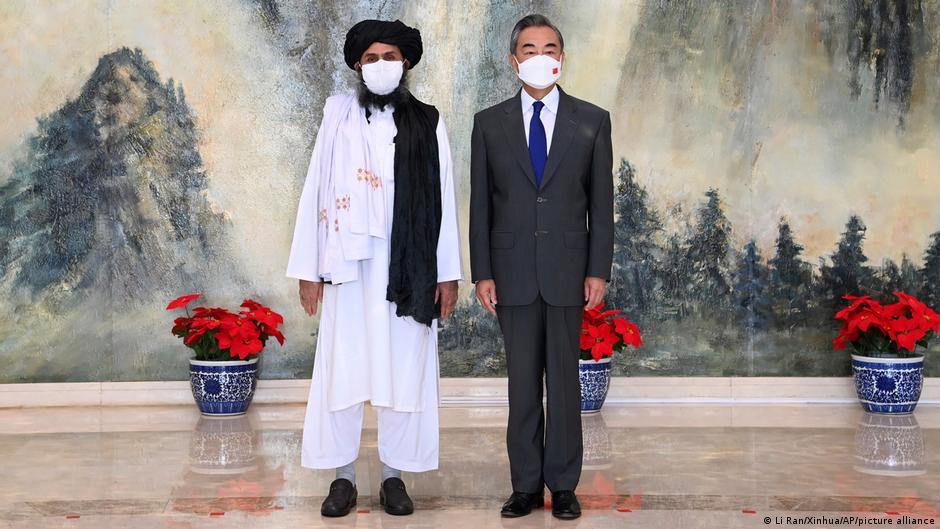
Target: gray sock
(347, 472)
(389, 472)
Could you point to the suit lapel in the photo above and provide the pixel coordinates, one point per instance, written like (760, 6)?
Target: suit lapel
(565, 125)
(515, 135)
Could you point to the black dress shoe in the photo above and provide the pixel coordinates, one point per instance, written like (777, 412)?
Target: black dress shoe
(521, 504)
(341, 500)
(565, 505)
(394, 497)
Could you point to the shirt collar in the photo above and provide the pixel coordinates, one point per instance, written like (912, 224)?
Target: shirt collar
(550, 100)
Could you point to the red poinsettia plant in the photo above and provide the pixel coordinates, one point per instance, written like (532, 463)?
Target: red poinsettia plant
(894, 330)
(216, 334)
(604, 332)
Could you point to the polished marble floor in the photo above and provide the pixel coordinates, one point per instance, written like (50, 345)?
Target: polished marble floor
(646, 466)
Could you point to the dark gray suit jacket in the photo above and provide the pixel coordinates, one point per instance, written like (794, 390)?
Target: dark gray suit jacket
(541, 240)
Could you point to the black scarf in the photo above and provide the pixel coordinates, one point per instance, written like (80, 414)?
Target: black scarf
(416, 224)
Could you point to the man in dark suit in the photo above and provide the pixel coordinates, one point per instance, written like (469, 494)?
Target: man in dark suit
(541, 245)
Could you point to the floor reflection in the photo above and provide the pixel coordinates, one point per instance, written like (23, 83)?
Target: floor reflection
(224, 445)
(596, 442)
(890, 445)
(644, 466)
(227, 470)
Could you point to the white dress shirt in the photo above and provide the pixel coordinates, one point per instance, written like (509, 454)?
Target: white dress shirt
(548, 114)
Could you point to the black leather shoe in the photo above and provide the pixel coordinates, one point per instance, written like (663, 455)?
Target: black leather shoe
(341, 500)
(565, 505)
(394, 497)
(521, 504)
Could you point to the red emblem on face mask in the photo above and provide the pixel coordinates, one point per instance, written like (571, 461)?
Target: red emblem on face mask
(554, 71)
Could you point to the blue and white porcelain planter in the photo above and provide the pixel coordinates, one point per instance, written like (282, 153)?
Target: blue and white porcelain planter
(888, 385)
(223, 388)
(595, 381)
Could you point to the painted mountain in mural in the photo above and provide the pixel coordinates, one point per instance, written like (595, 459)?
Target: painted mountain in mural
(111, 196)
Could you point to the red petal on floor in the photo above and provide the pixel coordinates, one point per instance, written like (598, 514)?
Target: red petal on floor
(893, 513)
(748, 511)
(363, 511)
(216, 514)
(72, 517)
(623, 509)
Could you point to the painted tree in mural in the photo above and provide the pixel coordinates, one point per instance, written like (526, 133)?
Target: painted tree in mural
(474, 335)
(674, 273)
(751, 289)
(633, 281)
(847, 274)
(790, 279)
(709, 255)
(891, 277)
(930, 273)
(911, 280)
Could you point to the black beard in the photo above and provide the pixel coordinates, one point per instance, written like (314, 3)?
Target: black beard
(396, 97)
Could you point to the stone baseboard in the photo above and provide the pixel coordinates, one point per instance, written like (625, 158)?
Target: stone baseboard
(466, 391)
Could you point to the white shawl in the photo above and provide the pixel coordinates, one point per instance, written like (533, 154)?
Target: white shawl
(342, 204)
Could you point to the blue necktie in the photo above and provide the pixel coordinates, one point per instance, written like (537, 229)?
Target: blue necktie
(538, 145)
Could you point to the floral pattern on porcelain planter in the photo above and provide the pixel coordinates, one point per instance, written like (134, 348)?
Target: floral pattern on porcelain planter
(888, 385)
(595, 381)
(223, 388)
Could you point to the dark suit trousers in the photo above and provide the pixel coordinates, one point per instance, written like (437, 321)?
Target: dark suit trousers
(544, 448)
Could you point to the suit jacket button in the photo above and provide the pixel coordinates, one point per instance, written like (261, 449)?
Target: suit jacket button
(540, 200)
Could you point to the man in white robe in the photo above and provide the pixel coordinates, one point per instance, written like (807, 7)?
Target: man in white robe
(366, 255)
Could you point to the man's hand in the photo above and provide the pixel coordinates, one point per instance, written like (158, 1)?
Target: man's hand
(311, 294)
(594, 288)
(446, 293)
(486, 293)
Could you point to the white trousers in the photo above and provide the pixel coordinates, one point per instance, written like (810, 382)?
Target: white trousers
(408, 441)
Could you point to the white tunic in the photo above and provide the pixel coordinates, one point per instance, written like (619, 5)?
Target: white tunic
(364, 351)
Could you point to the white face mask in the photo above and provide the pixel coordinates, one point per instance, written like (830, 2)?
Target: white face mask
(382, 77)
(539, 72)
